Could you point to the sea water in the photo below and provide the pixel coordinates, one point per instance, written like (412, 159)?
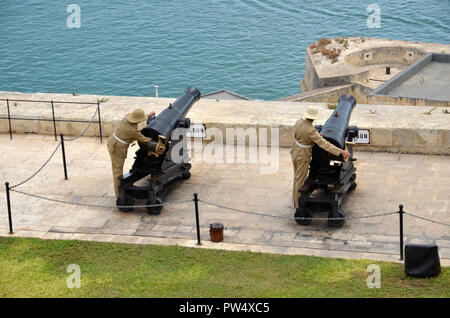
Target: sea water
(255, 48)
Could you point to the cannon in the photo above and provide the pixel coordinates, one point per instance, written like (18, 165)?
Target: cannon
(330, 177)
(161, 161)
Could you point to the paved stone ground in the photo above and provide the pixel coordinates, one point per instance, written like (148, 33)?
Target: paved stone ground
(384, 181)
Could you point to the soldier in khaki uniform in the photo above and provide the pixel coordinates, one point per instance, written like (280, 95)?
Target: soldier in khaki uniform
(305, 137)
(125, 133)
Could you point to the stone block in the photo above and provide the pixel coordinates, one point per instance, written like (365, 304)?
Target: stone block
(426, 138)
(381, 137)
(403, 137)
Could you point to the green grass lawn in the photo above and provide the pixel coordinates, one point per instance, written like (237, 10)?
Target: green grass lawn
(37, 268)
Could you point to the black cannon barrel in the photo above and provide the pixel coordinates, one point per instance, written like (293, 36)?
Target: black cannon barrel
(168, 119)
(335, 128)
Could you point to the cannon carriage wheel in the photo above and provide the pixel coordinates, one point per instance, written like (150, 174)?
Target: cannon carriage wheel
(336, 213)
(302, 213)
(186, 175)
(353, 186)
(302, 216)
(127, 201)
(153, 198)
(154, 210)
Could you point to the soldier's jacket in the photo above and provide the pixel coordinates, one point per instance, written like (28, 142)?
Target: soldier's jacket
(127, 132)
(306, 134)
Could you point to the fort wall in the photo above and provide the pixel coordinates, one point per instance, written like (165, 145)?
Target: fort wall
(406, 129)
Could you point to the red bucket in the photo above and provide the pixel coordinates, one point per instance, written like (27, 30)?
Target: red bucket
(216, 232)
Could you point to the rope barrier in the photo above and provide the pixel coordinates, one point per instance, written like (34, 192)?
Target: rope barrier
(426, 219)
(255, 213)
(101, 205)
(293, 217)
(39, 170)
(196, 200)
(54, 151)
(85, 129)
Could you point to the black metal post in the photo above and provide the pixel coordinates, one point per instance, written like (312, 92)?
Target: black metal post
(63, 155)
(99, 122)
(54, 123)
(8, 201)
(400, 212)
(197, 219)
(9, 119)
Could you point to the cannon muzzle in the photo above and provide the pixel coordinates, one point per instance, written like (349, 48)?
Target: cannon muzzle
(336, 128)
(161, 127)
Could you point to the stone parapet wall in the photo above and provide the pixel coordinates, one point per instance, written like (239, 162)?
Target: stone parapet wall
(406, 129)
(355, 64)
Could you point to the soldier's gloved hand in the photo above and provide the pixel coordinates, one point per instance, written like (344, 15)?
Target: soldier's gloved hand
(345, 154)
(151, 146)
(151, 114)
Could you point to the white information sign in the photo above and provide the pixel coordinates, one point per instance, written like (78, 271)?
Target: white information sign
(363, 137)
(196, 131)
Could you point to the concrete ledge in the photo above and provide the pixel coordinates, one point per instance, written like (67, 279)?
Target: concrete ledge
(395, 129)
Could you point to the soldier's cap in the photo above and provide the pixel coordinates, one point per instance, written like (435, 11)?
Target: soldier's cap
(312, 113)
(137, 116)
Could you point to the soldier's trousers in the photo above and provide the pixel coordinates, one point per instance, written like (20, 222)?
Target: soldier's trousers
(300, 163)
(118, 154)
